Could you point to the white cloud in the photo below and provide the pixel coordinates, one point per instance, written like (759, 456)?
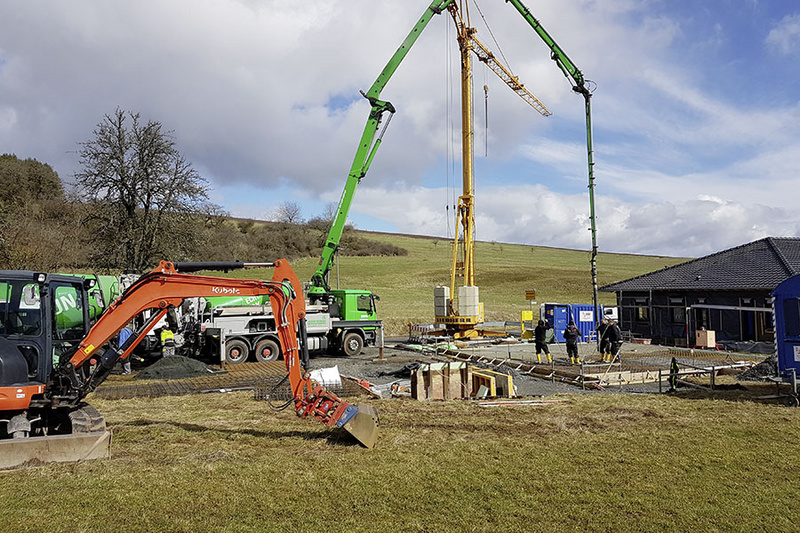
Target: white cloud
(263, 99)
(570, 158)
(533, 214)
(785, 36)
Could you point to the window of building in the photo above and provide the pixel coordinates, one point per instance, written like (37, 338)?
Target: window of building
(642, 310)
(701, 315)
(791, 316)
(677, 310)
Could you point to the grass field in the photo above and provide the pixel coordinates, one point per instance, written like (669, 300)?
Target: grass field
(503, 271)
(590, 463)
(599, 462)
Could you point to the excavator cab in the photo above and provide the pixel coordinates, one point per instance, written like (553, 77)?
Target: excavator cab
(42, 318)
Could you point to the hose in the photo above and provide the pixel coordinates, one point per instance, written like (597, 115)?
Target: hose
(275, 388)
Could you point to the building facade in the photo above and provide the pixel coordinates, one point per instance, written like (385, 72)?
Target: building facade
(727, 293)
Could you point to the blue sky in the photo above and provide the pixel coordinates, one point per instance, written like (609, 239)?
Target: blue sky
(697, 137)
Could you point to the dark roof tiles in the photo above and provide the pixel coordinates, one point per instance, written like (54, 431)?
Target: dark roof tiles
(761, 264)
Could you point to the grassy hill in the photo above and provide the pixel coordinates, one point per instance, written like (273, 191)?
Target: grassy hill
(503, 271)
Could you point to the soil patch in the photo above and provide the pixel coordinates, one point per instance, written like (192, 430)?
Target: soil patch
(175, 367)
(762, 371)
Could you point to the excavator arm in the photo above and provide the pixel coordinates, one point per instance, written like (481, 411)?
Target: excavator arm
(165, 287)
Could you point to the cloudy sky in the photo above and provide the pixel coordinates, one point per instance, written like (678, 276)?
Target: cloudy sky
(696, 112)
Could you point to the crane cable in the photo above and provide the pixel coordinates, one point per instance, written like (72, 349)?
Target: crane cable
(485, 112)
(448, 126)
(491, 33)
(486, 86)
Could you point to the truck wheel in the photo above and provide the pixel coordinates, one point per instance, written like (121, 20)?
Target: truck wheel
(267, 350)
(236, 352)
(352, 344)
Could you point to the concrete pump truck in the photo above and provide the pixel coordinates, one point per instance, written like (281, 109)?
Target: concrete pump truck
(49, 364)
(342, 320)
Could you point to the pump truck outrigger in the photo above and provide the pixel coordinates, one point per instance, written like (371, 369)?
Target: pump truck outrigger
(48, 365)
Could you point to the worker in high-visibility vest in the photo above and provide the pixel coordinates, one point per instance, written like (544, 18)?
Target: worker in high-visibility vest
(167, 342)
(673, 375)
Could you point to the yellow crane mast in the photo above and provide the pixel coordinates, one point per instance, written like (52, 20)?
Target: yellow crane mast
(459, 309)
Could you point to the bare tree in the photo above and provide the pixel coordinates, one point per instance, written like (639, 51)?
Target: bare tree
(329, 213)
(289, 213)
(145, 198)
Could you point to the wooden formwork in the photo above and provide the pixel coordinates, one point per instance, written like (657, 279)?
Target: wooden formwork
(441, 381)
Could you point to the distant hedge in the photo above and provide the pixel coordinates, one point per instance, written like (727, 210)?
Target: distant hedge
(42, 227)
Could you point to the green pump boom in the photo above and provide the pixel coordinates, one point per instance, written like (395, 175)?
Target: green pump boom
(579, 86)
(367, 147)
(557, 54)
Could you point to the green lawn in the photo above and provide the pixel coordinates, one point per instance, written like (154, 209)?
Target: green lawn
(599, 462)
(607, 462)
(503, 271)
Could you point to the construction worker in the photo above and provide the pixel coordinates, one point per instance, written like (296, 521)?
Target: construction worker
(167, 342)
(539, 338)
(673, 375)
(602, 334)
(614, 335)
(571, 336)
(123, 335)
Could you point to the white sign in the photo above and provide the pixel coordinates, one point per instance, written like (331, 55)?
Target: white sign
(586, 316)
(797, 354)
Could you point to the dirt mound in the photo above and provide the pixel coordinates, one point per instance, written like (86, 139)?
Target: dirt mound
(760, 372)
(174, 367)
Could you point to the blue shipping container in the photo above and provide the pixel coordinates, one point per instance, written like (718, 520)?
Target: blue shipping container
(786, 311)
(559, 315)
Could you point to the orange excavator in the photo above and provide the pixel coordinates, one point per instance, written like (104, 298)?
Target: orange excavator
(50, 360)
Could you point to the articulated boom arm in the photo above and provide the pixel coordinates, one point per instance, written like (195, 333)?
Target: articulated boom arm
(557, 54)
(164, 288)
(367, 147)
(579, 86)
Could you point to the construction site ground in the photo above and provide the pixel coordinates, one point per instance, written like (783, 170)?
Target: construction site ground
(636, 371)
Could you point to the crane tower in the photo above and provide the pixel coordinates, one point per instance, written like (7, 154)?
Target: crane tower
(458, 307)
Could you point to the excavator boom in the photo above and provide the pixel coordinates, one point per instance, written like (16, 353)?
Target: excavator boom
(41, 408)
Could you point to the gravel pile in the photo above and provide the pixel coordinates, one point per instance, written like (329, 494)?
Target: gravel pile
(760, 372)
(174, 367)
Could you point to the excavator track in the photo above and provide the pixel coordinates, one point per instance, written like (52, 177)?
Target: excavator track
(86, 419)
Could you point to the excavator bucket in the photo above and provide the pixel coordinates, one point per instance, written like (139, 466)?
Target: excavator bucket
(17, 453)
(361, 421)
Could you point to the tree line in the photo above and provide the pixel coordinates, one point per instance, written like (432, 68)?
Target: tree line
(137, 200)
